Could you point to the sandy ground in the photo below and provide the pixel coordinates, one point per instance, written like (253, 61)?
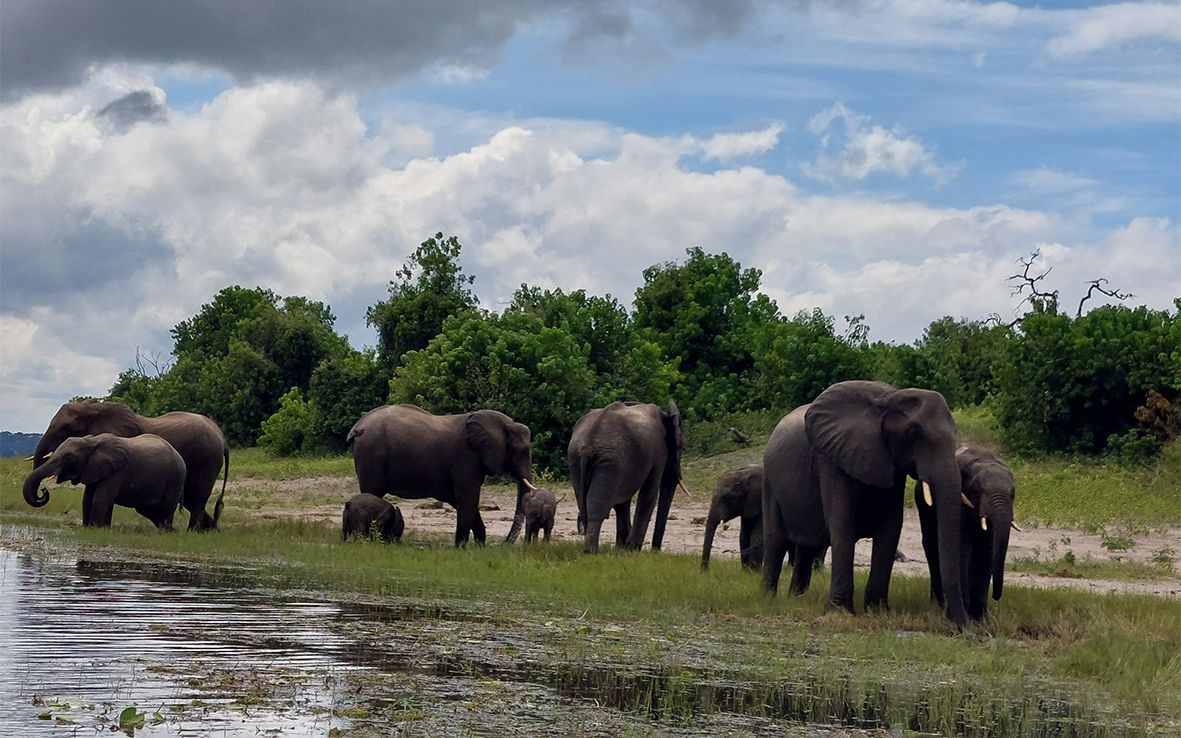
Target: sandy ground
(686, 528)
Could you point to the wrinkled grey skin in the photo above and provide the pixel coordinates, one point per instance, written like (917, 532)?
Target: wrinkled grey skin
(617, 451)
(738, 494)
(407, 452)
(365, 515)
(989, 485)
(197, 439)
(143, 472)
(541, 507)
(836, 471)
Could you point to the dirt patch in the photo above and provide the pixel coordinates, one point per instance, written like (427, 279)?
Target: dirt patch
(321, 499)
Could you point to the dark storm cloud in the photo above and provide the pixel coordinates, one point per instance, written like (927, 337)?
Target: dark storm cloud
(140, 106)
(51, 43)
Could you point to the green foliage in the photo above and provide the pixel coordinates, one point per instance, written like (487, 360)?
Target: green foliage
(513, 363)
(289, 430)
(705, 315)
(430, 288)
(342, 389)
(797, 359)
(1069, 385)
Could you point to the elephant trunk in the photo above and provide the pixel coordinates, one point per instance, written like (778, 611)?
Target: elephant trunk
(1000, 548)
(711, 527)
(944, 480)
(45, 446)
(34, 496)
(523, 486)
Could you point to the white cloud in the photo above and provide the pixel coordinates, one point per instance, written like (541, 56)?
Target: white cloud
(1106, 26)
(726, 146)
(868, 149)
(111, 238)
(1045, 179)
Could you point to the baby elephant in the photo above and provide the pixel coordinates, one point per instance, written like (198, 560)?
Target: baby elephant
(738, 494)
(540, 509)
(143, 472)
(366, 514)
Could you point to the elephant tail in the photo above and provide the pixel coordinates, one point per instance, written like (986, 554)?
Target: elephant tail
(220, 504)
(354, 432)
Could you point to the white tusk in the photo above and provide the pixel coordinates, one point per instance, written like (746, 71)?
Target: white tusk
(927, 495)
(966, 501)
(29, 458)
(983, 524)
(529, 484)
(1015, 527)
(684, 488)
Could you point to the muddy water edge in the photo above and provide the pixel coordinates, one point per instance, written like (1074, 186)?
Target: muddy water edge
(222, 650)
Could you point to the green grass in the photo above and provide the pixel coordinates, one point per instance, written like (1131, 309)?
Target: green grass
(1070, 568)
(1112, 650)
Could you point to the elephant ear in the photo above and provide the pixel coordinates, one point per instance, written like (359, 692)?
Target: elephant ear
(110, 417)
(845, 424)
(486, 434)
(674, 427)
(107, 459)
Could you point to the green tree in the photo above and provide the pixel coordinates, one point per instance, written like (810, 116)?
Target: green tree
(342, 389)
(430, 287)
(512, 363)
(704, 315)
(798, 359)
(287, 432)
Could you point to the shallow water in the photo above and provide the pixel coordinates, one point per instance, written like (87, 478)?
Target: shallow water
(203, 652)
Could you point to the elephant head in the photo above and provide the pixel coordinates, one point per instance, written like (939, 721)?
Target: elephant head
(86, 418)
(504, 447)
(79, 460)
(989, 484)
(877, 435)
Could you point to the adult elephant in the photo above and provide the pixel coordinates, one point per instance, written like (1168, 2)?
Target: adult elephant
(738, 494)
(405, 451)
(985, 520)
(836, 471)
(144, 472)
(616, 451)
(197, 439)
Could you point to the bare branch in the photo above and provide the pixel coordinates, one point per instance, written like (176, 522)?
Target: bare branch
(1024, 281)
(153, 365)
(1096, 285)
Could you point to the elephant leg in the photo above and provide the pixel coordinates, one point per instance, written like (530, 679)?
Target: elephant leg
(87, 504)
(801, 573)
(103, 503)
(744, 542)
(978, 570)
(549, 528)
(645, 504)
(664, 504)
(885, 545)
(840, 513)
(754, 554)
(465, 518)
(775, 545)
(478, 530)
(623, 522)
(930, 525)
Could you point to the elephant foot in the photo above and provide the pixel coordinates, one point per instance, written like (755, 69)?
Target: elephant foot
(842, 606)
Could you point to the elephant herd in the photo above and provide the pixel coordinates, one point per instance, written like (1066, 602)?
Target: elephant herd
(834, 471)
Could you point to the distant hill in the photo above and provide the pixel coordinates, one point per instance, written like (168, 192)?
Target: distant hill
(17, 444)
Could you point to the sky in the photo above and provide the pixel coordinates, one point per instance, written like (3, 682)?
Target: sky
(892, 158)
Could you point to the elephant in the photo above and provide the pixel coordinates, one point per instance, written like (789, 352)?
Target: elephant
(366, 514)
(738, 493)
(984, 524)
(835, 471)
(405, 451)
(616, 451)
(197, 439)
(144, 472)
(540, 509)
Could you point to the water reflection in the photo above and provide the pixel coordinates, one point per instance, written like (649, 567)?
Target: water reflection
(91, 638)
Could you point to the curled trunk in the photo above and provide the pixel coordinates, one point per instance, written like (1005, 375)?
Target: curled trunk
(39, 497)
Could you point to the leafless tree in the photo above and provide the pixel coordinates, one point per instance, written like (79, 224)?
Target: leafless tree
(152, 365)
(1097, 285)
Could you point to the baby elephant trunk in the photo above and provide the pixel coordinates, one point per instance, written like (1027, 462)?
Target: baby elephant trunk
(711, 527)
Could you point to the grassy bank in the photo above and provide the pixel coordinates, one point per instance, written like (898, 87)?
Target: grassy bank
(1099, 655)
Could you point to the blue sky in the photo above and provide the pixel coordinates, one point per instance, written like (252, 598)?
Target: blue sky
(885, 157)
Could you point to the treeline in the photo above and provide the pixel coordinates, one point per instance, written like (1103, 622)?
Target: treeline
(273, 371)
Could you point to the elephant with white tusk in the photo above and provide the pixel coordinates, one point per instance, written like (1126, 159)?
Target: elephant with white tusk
(989, 489)
(836, 472)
